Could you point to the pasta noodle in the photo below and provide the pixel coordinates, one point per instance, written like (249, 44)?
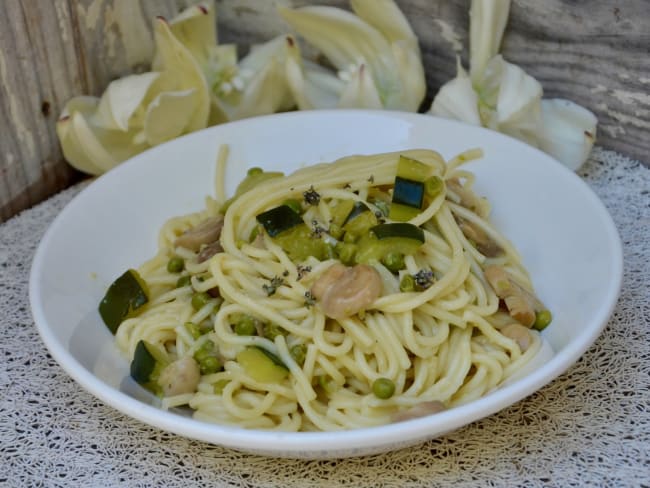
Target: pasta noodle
(442, 342)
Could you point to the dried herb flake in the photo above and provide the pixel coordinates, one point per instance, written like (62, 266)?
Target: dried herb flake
(311, 196)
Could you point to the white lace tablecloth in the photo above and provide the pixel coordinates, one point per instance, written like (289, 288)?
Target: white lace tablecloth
(589, 427)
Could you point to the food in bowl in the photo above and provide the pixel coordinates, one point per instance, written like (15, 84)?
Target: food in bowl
(361, 292)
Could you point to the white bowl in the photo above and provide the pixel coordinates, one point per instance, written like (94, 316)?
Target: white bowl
(565, 235)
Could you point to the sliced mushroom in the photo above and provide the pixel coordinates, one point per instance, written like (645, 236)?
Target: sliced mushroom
(206, 232)
(521, 304)
(519, 334)
(479, 238)
(208, 251)
(499, 319)
(344, 291)
(420, 410)
(465, 197)
(181, 376)
(327, 279)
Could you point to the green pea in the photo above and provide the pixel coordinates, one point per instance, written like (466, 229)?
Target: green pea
(245, 326)
(335, 231)
(383, 388)
(293, 204)
(542, 319)
(349, 237)
(271, 331)
(407, 284)
(219, 386)
(209, 365)
(346, 252)
(205, 327)
(298, 353)
(206, 349)
(394, 261)
(327, 383)
(184, 281)
(433, 186)
(200, 300)
(193, 329)
(254, 171)
(175, 264)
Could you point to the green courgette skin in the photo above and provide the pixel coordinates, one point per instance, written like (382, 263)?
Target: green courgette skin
(357, 209)
(276, 360)
(279, 219)
(143, 364)
(402, 230)
(408, 192)
(125, 295)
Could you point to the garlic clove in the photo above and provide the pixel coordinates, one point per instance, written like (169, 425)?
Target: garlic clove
(360, 91)
(568, 131)
(263, 87)
(457, 100)
(387, 18)
(121, 99)
(182, 72)
(70, 144)
(168, 115)
(196, 29)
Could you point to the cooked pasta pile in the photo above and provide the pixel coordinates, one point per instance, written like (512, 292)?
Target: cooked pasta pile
(256, 314)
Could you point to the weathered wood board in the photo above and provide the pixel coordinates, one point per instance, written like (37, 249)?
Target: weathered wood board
(596, 53)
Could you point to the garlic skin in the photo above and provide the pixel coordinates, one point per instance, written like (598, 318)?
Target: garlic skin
(457, 100)
(508, 100)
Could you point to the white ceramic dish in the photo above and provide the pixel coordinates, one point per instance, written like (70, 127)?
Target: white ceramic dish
(566, 237)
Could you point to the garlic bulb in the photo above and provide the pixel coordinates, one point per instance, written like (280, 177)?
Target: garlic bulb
(503, 97)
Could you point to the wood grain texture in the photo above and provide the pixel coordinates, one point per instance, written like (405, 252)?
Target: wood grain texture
(51, 51)
(595, 52)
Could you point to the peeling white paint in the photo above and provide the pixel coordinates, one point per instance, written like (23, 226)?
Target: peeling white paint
(110, 37)
(629, 120)
(642, 112)
(623, 117)
(92, 14)
(614, 131)
(63, 20)
(449, 35)
(645, 81)
(17, 114)
(629, 97)
(599, 89)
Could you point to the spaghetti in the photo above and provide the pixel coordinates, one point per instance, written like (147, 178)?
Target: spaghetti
(252, 324)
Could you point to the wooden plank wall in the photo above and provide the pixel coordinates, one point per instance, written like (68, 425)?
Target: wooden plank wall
(596, 53)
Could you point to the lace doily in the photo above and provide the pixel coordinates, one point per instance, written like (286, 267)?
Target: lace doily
(590, 427)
